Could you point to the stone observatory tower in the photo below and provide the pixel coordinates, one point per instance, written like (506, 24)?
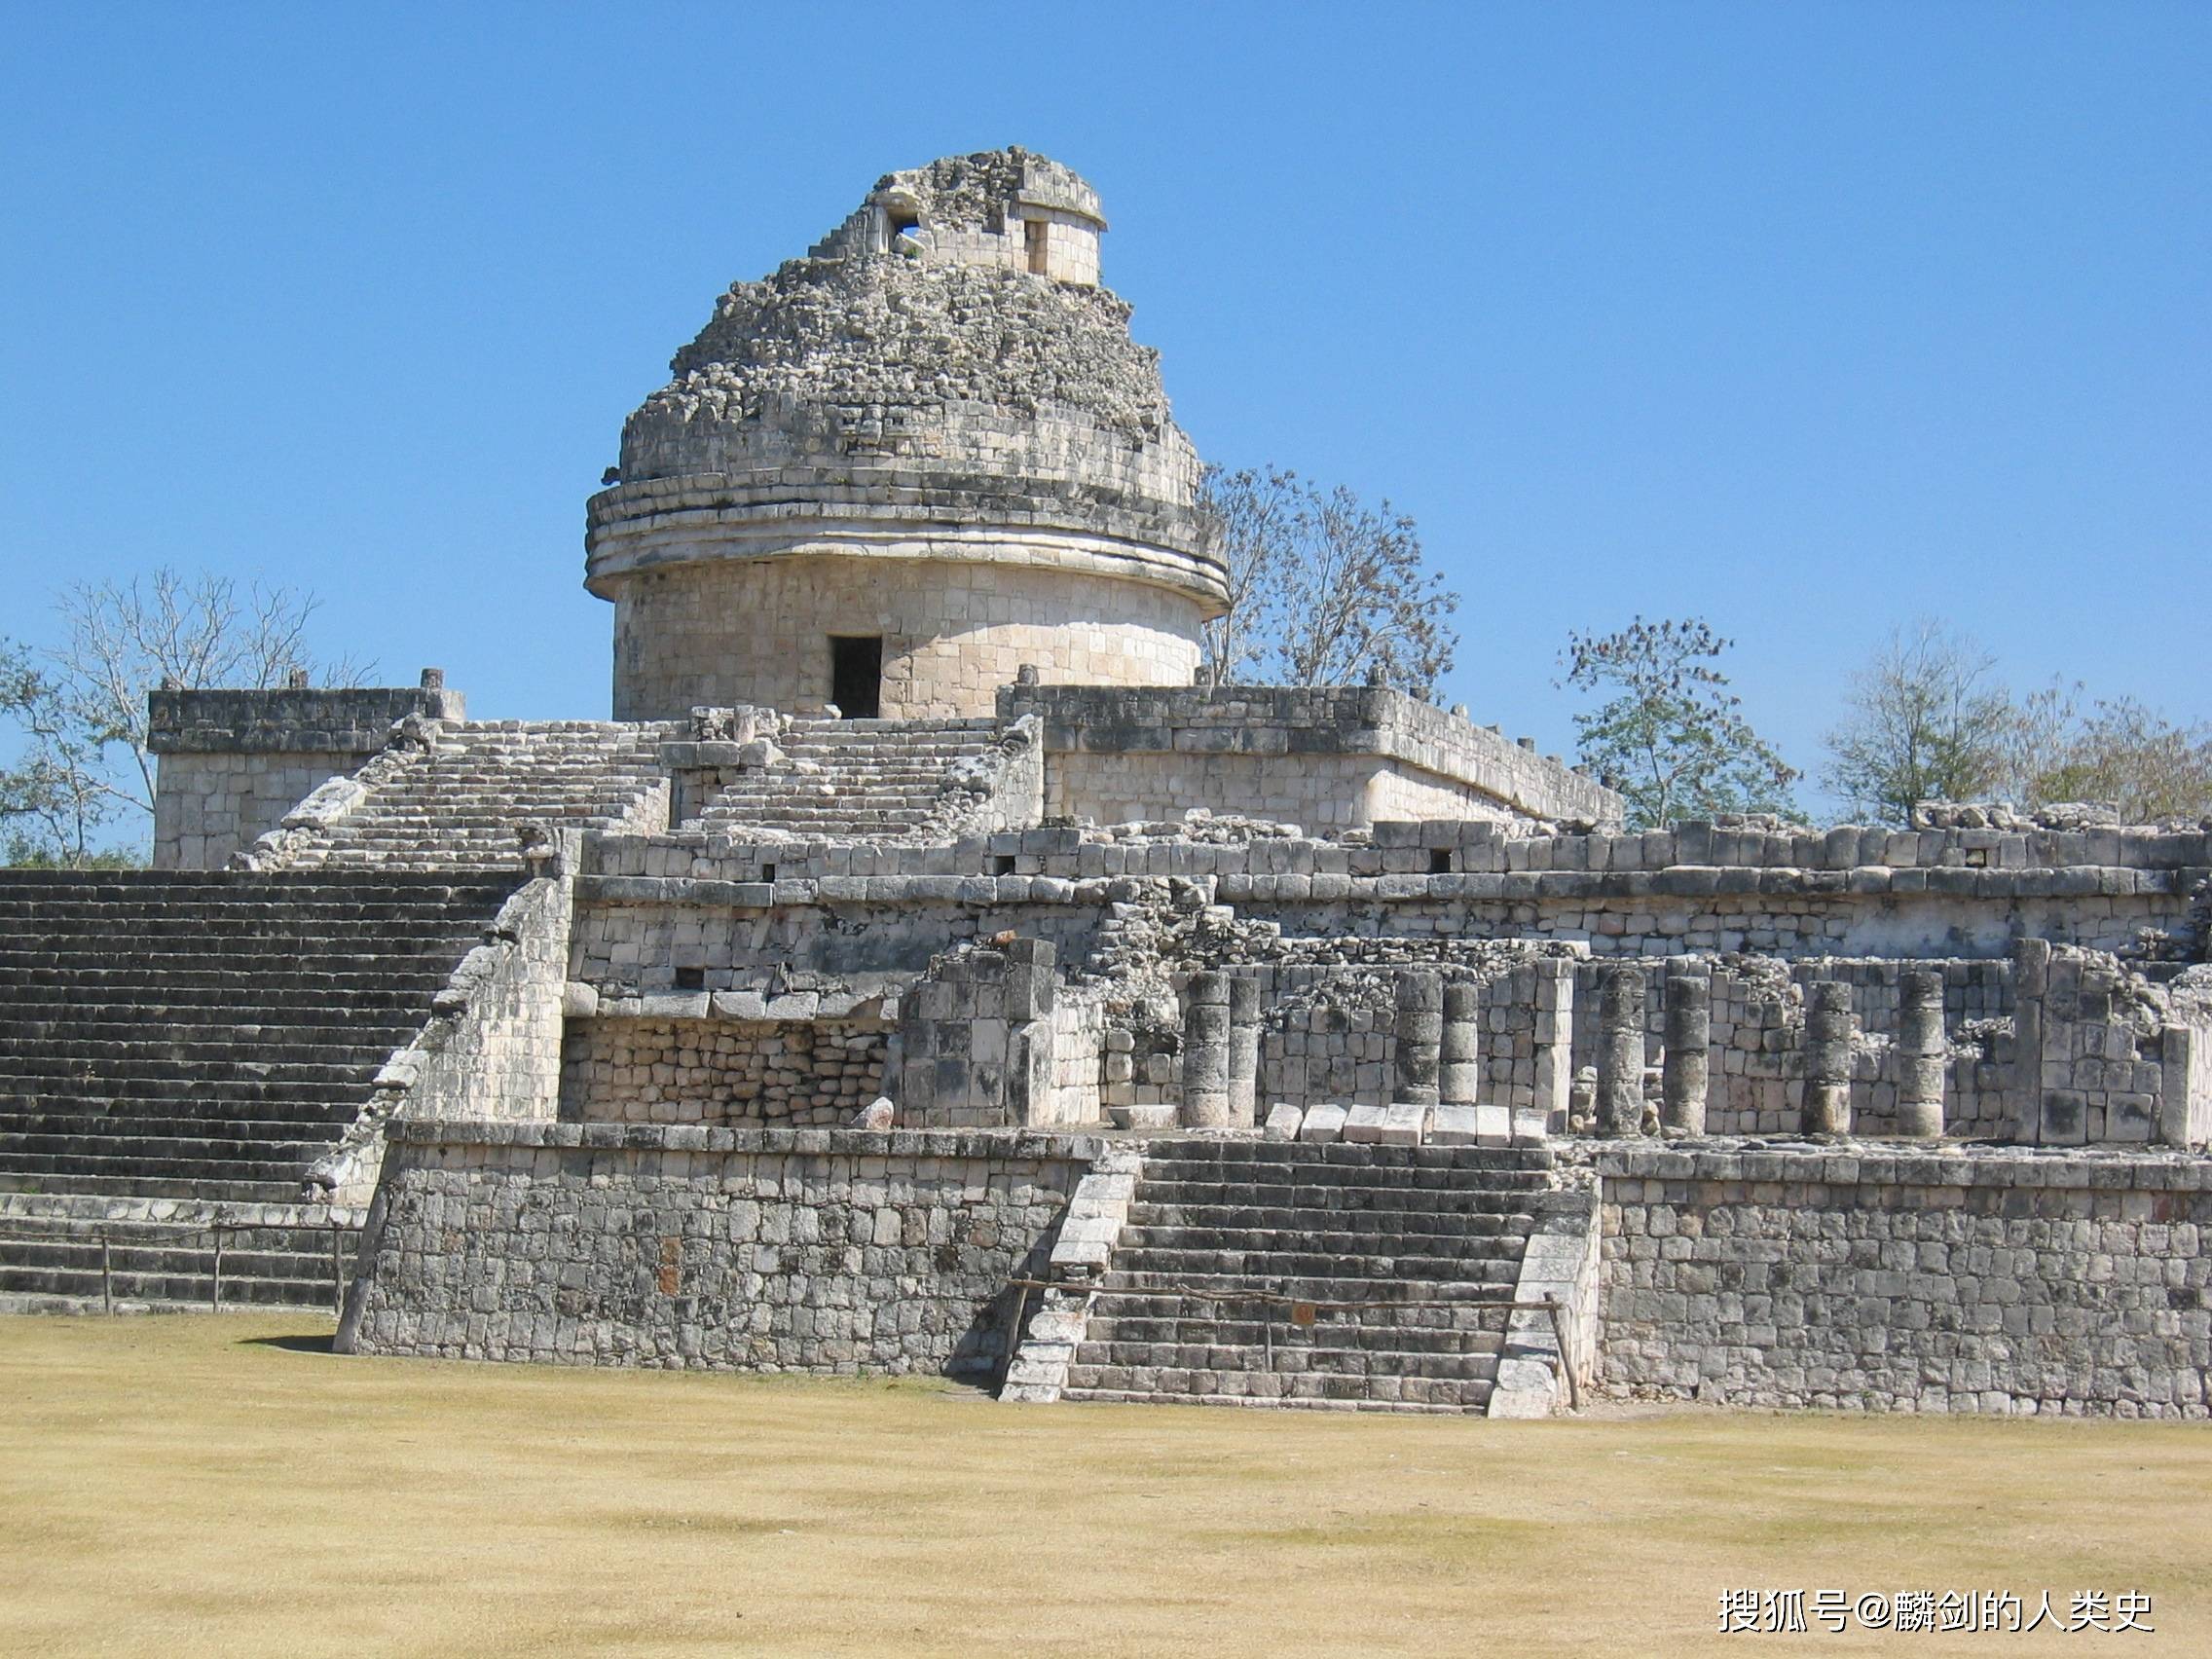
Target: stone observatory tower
(894, 471)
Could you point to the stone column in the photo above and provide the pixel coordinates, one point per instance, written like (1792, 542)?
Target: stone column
(1243, 1050)
(1419, 1031)
(1827, 1058)
(1206, 1051)
(1923, 1055)
(1689, 1042)
(1620, 1052)
(1460, 1046)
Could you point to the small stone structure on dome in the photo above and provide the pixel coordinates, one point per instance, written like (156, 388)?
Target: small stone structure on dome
(923, 970)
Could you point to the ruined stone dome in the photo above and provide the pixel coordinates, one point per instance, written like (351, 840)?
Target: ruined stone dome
(946, 352)
(897, 473)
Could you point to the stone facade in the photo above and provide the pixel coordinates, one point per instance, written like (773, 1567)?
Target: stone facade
(842, 1251)
(1866, 1280)
(726, 1073)
(954, 626)
(1327, 759)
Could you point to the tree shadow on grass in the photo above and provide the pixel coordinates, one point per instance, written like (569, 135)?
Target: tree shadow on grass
(315, 1342)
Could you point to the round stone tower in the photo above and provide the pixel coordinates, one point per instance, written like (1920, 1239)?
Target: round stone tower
(897, 470)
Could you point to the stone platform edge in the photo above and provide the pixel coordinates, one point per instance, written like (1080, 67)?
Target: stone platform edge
(1073, 1147)
(1976, 1166)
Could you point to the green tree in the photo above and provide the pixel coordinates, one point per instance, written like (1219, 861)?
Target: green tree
(1923, 720)
(2115, 750)
(1671, 739)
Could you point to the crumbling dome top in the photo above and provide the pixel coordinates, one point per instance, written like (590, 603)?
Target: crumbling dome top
(945, 352)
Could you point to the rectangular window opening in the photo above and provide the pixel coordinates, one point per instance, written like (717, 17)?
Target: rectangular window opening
(1439, 861)
(690, 979)
(1002, 863)
(1033, 234)
(856, 676)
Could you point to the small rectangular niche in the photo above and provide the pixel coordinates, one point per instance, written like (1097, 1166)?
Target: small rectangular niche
(690, 979)
(856, 676)
(1033, 237)
(1440, 860)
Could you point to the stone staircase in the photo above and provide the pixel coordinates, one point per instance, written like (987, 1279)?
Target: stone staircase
(458, 805)
(176, 1045)
(882, 780)
(1405, 1230)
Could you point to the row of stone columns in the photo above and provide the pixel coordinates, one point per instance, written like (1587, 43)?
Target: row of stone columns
(1685, 1073)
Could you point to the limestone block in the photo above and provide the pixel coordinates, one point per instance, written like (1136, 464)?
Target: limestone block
(1323, 1123)
(1364, 1123)
(1453, 1125)
(1283, 1122)
(1403, 1123)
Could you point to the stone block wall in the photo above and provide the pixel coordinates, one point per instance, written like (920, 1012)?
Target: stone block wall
(1996, 1282)
(976, 1040)
(1327, 759)
(833, 1251)
(954, 630)
(208, 806)
(2094, 1052)
(799, 1074)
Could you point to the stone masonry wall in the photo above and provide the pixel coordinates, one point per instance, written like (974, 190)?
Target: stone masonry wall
(953, 633)
(796, 1074)
(1326, 758)
(2015, 1283)
(730, 1249)
(208, 806)
(1321, 792)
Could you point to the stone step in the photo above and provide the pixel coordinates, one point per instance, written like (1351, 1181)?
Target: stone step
(135, 1148)
(1181, 1385)
(169, 1292)
(1307, 1267)
(176, 1121)
(1431, 1242)
(1393, 1310)
(1227, 1154)
(128, 1161)
(1146, 1216)
(143, 1186)
(1284, 1358)
(1469, 1330)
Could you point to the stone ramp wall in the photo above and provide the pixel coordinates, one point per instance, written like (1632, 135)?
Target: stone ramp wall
(1862, 1280)
(835, 1251)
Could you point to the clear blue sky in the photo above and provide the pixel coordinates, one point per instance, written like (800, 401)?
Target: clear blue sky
(1804, 319)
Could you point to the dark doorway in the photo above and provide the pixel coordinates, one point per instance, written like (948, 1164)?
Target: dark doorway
(856, 678)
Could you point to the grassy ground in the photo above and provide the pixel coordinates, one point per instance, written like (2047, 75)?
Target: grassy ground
(226, 1486)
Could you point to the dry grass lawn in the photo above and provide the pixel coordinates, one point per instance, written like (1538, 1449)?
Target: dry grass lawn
(226, 1486)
